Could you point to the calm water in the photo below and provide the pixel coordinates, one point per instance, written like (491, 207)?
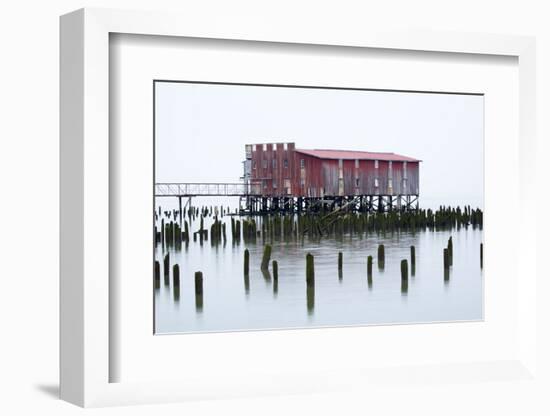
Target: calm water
(230, 303)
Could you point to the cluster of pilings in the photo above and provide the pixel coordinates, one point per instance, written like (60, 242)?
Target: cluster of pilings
(217, 232)
(176, 283)
(171, 234)
(249, 230)
(292, 226)
(310, 271)
(339, 223)
(235, 230)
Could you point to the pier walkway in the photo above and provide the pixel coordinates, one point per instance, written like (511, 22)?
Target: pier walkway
(206, 189)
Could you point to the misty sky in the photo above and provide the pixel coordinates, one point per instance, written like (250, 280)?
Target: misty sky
(201, 131)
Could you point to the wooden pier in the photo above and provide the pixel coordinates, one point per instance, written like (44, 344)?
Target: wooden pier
(253, 202)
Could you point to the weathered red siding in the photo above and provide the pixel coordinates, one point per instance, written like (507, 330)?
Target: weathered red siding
(281, 170)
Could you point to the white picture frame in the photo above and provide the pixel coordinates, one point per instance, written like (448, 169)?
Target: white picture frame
(85, 165)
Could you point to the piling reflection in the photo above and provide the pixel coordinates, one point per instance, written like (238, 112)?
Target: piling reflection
(246, 284)
(404, 287)
(310, 293)
(275, 287)
(198, 292)
(267, 275)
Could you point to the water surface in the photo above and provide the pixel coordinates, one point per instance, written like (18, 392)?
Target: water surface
(232, 303)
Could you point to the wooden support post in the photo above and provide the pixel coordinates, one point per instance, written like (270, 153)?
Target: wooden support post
(310, 283)
(167, 264)
(246, 262)
(157, 274)
(450, 250)
(404, 276)
(340, 265)
(404, 270)
(266, 257)
(198, 291)
(181, 213)
(310, 270)
(413, 260)
(481, 255)
(381, 256)
(369, 271)
(275, 267)
(176, 273)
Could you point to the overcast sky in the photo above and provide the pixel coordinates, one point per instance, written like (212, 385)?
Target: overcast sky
(201, 130)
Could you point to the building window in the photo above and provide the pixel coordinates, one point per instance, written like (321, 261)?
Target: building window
(274, 163)
(376, 164)
(357, 182)
(264, 183)
(302, 182)
(274, 183)
(264, 163)
(376, 182)
(302, 163)
(285, 163)
(390, 183)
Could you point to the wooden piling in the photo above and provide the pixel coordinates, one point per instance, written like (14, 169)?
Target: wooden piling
(446, 258)
(381, 256)
(176, 286)
(450, 250)
(157, 270)
(481, 255)
(176, 273)
(157, 274)
(198, 291)
(275, 267)
(369, 271)
(246, 262)
(340, 261)
(266, 257)
(167, 264)
(404, 270)
(404, 277)
(310, 270)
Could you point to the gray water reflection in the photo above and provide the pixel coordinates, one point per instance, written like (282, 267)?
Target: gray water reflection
(232, 301)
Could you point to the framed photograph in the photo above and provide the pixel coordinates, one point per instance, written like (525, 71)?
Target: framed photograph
(332, 231)
(237, 207)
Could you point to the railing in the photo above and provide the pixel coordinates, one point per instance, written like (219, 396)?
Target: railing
(207, 189)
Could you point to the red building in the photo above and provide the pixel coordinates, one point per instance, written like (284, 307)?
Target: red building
(282, 171)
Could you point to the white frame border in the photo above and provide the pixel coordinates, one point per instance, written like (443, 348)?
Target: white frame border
(84, 179)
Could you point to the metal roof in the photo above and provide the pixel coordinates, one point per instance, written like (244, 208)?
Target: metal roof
(353, 154)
